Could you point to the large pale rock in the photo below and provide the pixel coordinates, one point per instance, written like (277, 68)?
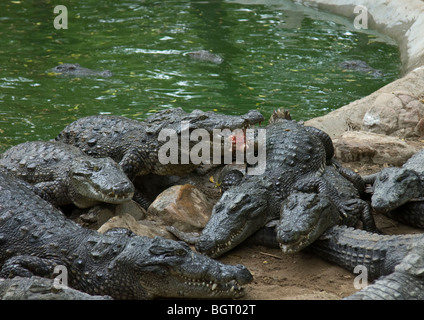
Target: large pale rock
(375, 148)
(181, 206)
(396, 109)
(395, 113)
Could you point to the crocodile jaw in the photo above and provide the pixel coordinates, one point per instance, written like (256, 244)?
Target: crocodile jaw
(170, 269)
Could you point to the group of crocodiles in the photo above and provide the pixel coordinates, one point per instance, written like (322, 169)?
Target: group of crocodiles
(75, 69)
(305, 200)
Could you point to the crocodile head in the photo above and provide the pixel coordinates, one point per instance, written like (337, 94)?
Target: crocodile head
(170, 269)
(211, 122)
(237, 215)
(93, 180)
(393, 187)
(304, 218)
(75, 69)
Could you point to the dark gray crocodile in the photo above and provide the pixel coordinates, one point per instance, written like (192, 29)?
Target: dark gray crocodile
(305, 217)
(38, 288)
(205, 55)
(361, 66)
(295, 161)
(394, 187)
(349, 247)
(405, 283)
(74, 69)
(35, 237)
(63, 174)
(136, 145)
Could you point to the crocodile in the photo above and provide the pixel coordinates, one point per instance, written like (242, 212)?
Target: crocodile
(305, 217)
(35, 238)
(38, 288)
(349, 247)
(361, 66)
(405, 283)
(63, 174)
(74, 69)
(205, 55)
(295, 161)
(396, 186)
(136, 144)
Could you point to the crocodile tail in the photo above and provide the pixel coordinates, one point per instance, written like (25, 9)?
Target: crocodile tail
(279, 114)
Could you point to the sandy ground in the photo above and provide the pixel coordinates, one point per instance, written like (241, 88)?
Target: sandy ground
(302, 276)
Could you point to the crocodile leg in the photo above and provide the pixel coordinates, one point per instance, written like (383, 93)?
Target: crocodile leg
(350, 175)
(320, 185)
(134, 163)
(141, 199)
(187, 237)
(54, 192)
(27, 266)
(366, 216)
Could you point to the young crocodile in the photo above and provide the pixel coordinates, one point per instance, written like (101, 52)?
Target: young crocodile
(74, 69)
(63, 174)
(35, 237)
(135, 145)
(295, 161)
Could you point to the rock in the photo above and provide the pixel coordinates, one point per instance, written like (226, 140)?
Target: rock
(181, 206)
(396, 114)
(371, 147)
(140, 228)
(387, 110)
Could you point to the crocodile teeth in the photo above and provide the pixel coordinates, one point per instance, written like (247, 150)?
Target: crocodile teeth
(214, 286)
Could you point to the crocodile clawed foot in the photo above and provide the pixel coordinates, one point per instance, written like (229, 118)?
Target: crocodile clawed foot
(347, 207)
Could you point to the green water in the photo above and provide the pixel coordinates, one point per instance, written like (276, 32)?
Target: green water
(276, 55)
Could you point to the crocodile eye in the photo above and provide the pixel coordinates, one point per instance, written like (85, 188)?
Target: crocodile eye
(203, 117)
(180, 252)
(96, 168)
(72, 68)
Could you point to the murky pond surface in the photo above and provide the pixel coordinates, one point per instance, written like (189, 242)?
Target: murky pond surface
(275, 55)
